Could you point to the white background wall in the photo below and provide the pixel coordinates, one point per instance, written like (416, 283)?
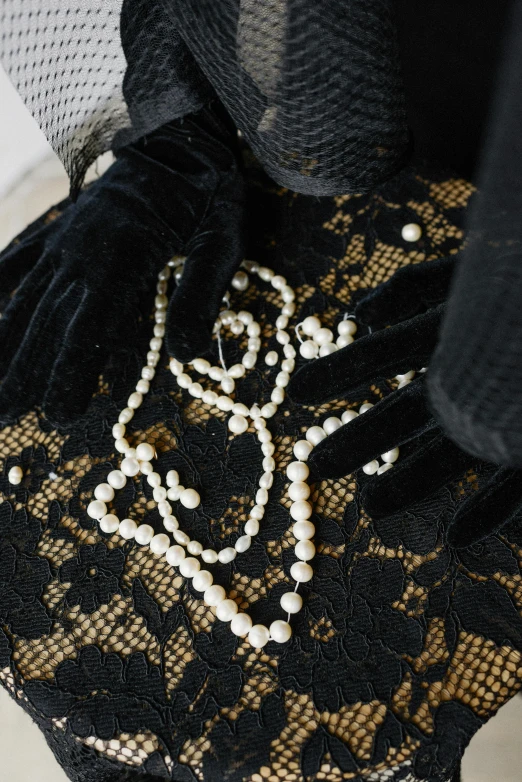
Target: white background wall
(31, 179)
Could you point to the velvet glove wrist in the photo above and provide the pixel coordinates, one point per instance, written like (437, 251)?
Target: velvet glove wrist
(79, 280)
(411, 304)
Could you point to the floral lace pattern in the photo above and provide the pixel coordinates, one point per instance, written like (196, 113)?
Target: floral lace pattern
(404, 647)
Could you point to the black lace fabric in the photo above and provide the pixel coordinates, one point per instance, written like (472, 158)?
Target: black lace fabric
(404, 647)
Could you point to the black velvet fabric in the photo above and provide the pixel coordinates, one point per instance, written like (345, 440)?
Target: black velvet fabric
(81, 280)
(403, 416)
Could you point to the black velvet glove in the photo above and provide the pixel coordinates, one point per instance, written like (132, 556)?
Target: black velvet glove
(410, 304)
(79, 280)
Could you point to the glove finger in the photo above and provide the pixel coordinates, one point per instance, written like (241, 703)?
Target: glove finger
(383, 354)
(486, 511)
(214, 256)
(398, 418)
(19, 258)
(435, 464)
(412, 290)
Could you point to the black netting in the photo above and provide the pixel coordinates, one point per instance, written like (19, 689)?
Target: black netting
(315, 88)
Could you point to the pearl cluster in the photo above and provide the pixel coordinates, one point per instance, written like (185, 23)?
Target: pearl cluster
(320, 340)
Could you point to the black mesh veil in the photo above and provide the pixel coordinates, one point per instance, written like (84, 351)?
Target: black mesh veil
(314, 87)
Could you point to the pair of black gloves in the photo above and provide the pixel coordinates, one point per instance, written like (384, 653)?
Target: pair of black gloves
(70, 292)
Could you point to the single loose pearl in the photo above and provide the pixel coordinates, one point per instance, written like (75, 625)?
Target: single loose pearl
(384, 468)
(303, 530)
(172, 478)
(135, 400)
(343, 341)
(291, 602)
(238, 424)
(181, 537)
(228, 384)
(328, 349)
(224, 403)
(301, 572)
(175, 555)
(128, 528)
(280, 631)
(301, 510)
(371, 468)
(145, 452)
(227, 554)
(299, 490)
(364, 408)
(226, 610)
(332, 424)
(96, 509)
(258, 636)
(214, 595)
(189, 567)
(390, 456)
(160, 544)
(104, 492)
(202, 580)
(302, 450)
(109, 523)
(305, 550)
(297, 471)
(309, 349)
(118, 431)
(348, 416)
(243, 543)
(347, 328)
(411, 232)
(271, 358)
(315, 435)
(190, 498)
(241, 625)
(154, 479)
(209, 556)
(323, 336)
(144, 534)
(310, 325)
(240, 281)
(252, 527)
(201, 365)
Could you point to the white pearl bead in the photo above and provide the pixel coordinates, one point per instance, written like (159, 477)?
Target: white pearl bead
(181, 537)
(214, 595)
(189, 567)
(265, 273)
(227, 317)
(281, 322)
(143, 386)
(343, 341)
(130, 466)
(364, 408)
(154, 479)
(301, 572)
(304, 550)
(241, 409)
(190, 498)
(237, 328)
(236, 371)
(309, 349)
(202, 580)
(258, 636)
(238, 424)
(96, 509)
(249, 360)
(135, 400)
(216, 373)
(104, 492)
(109, 523)
(407, 376)
(323, 336)
(145, 452)
(243, 543)
(268, 410)
(195, 548)
(347, 328)
(371, 468)
(268, 449)
(224, 403)
(159, 493)
(159, 330)
(253, 329)
(288, 365)
(240, 281)
(252, 527)
(291, 602)
(310, 325)
(164, 509)
(175, 555)
(148, 373)
(303, 530)
(160, 543)
(241, 625)
(228, 385)
(266, 480)
(226, 610)
(264, 436)
(282, 379)
(287, 294)
(271, 358)
(390, 456)
(174, 493)
(184, 380)
(227, 554)
(170, 523)
(209, 397)
(144, 534)
(201, 365)
(257, 512)
(283, 337)
(299, 490)
(160, 302)
(297, 471)
(118, 431)
(121, 445)
(348, 416)
(302, 450)
(269, 464)
(126, 415)
(288, 309)
(277, 396)
(152, 358)
(301, 510)
(332, 424)
(176, 367)
(280, 631)
(384, 468)
(254, 344)
(209, 556)
(195, 390)
(278, 282)
(127, 529)
(172, 478)
(315, 435)
(327, 350)
(245, 317)
(403, 383)
(261, 497)
(411, 232)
